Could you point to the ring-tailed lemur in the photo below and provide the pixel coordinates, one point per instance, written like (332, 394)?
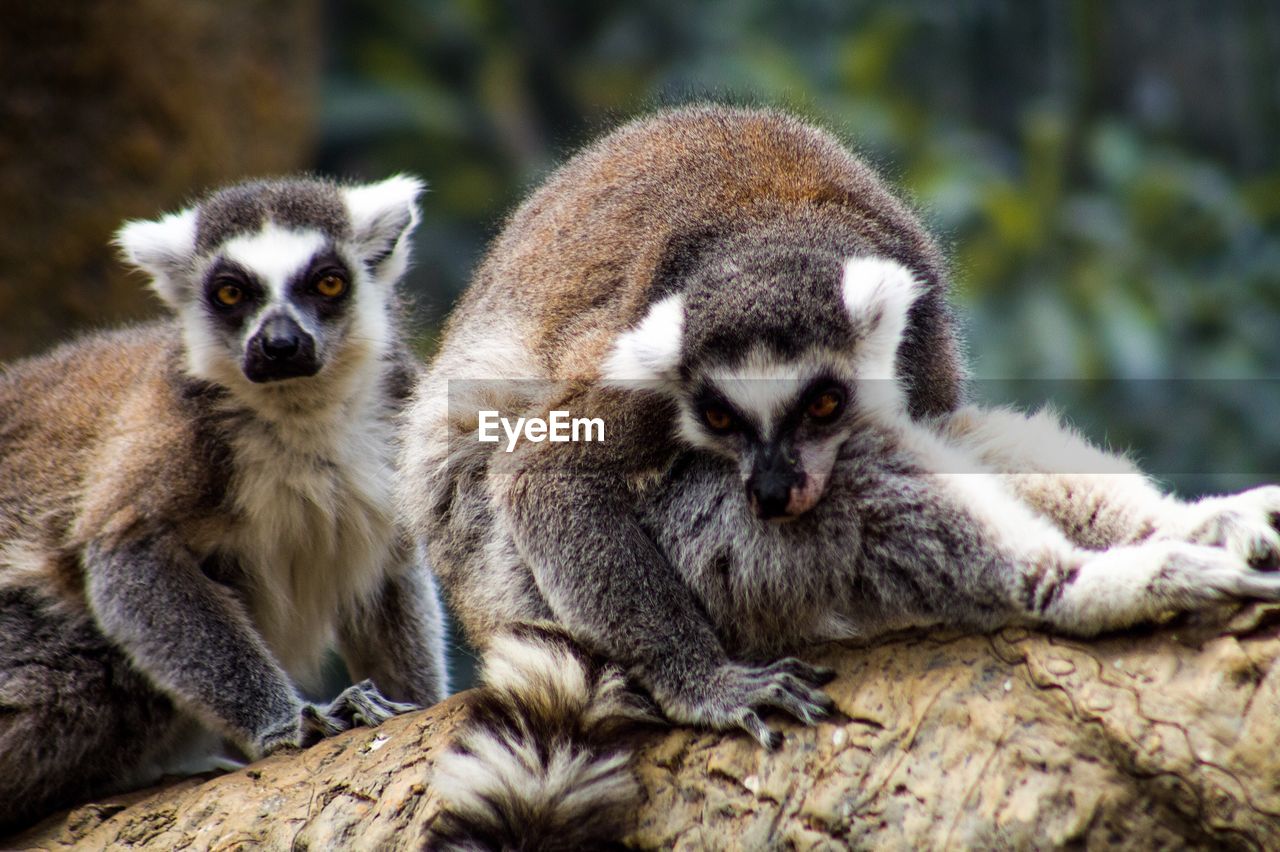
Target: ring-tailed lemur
(193, 511)
(754, 348)
(627, 221)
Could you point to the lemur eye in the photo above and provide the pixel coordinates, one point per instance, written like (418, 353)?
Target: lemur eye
(826, 405)
(717, 418)
(229, 294)
(331, 286)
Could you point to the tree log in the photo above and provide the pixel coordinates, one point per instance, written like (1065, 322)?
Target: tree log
(1166, 738)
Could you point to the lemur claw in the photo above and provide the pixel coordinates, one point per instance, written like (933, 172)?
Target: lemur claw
(737, 694)
(361, 704)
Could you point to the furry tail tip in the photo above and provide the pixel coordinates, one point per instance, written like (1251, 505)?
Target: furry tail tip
(542, 762)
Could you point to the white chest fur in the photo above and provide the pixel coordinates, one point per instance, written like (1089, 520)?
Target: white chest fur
(315, 528)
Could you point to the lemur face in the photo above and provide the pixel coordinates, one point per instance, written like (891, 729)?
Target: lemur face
(781, 420)
(777, 383)
(278, 302)
(276, 282)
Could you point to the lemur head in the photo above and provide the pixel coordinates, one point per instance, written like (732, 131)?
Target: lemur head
(278, 281)
(770, 358)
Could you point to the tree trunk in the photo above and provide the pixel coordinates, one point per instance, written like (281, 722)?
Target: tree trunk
(125, 109)
(1165, 739)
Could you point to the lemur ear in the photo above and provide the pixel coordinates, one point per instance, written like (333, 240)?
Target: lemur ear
(648, 355)
(163, 248)
(383, 215)
(878, 293)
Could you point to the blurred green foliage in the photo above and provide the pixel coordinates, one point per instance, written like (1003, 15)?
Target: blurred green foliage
(1105, 175)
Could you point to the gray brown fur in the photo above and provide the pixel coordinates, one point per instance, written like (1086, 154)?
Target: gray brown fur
(616, 228)
(297, 204)
(651, 209)
(137, 622)
(644, 550)
(626, 219)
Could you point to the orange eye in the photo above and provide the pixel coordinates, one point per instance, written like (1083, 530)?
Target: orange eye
(229, 294)
(717, 418)
(331, 286)
(825, 405)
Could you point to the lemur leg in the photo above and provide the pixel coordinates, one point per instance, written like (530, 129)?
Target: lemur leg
(76, 720)
(397, 639)
(192, 640)
(1064, 587)
(1101, 499)
(1003, 551)
(571, 518)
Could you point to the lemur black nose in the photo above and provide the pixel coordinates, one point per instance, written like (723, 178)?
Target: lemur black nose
(281, 338)
(280, 349)
(771, 481)
(771, 498)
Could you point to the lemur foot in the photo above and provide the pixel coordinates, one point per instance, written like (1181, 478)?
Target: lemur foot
(361, 704)
(1123, 586)
(1182, 574)
(736, 694)
(1246, 524)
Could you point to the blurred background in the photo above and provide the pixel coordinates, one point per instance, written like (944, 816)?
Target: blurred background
(1105, 175)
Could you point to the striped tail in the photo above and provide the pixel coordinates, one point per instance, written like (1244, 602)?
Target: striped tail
(542, 763)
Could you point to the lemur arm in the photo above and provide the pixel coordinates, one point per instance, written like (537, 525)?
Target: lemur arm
(1101, 499)
(947, 525)
(571, 516)
(397, 638)
(192, 639)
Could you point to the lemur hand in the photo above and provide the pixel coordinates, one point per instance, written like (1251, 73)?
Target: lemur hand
(1245, 524)
(361, 704)
(736, 694)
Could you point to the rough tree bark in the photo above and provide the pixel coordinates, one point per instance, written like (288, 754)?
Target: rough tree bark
(1169, 738)
(123, 109)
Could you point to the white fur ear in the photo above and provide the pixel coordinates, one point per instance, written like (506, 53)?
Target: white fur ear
(383, 214)
(163, 248)
(647, 355)
(878, 293)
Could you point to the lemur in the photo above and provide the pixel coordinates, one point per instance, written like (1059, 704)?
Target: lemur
(193, 511)
(764, 330)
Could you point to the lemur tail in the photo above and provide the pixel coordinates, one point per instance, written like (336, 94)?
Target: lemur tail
(542, 762)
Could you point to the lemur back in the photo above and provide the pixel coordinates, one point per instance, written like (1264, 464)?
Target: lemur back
(606, 235)
(193, 512)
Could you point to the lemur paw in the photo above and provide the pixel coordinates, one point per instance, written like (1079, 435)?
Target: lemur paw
(736, 695)
(1186, 574)
(361, 704)
(1123, 586)
(1245, 524)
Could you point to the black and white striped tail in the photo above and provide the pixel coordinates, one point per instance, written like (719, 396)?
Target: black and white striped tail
(542, 762)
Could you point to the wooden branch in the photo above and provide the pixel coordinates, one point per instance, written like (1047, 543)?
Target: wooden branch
(1169, 738)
